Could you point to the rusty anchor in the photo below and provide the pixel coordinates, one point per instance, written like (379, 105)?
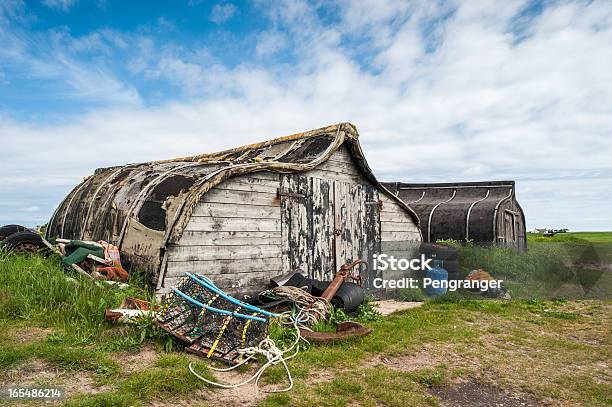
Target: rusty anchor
(345, 329)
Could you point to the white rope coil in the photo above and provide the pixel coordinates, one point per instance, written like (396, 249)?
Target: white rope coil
(311, 309)
(270, 351)
(314, 308)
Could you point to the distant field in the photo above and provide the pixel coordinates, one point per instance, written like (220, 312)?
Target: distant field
(592, 237)
(595, 245)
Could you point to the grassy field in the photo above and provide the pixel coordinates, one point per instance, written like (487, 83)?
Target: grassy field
(592, 237)
(565, 266)
(531, 352)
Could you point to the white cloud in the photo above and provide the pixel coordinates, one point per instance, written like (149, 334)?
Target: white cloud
(270, 43)
(53, 58)
(222, 12)
(477, 106)
(62, 5)
(33, 208)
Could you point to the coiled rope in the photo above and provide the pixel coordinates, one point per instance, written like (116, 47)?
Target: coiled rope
(310, 310)
(274, 355)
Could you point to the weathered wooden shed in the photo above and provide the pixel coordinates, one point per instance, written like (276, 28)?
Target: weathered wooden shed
(304, 202)
(485, 212)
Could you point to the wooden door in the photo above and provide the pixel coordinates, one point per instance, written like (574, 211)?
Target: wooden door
(510, 229)
(326, 224)
(357, 224)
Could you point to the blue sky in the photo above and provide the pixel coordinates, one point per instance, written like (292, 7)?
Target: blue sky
(440, 91)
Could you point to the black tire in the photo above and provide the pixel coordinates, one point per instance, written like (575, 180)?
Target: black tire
(439, 252)
(6, 231)
(24, 242)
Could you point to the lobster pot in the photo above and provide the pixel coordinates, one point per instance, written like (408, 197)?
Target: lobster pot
(207, 330)
(307, 202)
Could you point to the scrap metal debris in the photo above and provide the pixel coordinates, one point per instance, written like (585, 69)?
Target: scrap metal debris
(101, 258)
(218, 326)
(315, 309)
(130, 310)
(344, 330)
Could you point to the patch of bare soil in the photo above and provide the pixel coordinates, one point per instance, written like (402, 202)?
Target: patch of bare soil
(36, 373)
(404, 363)
(429, 356)
(133, 361)
(387, 307)
(480, 395)
(30, 334)
(246, 395)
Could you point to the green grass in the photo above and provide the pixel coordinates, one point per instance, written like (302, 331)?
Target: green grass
(35, 288)
(168, 378)
(465, 339)
(367, 387)
(61, 316)
(592, 237)
(38, 290)
(563, 266)
(542, 348)
(594, 246)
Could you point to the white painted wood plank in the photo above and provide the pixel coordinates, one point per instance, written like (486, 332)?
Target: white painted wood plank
(340, 167)
(322, 229)
(250, 185)
(260, 175)
(390, 203)
(208, 224)
(231, 238)
(396, 217)
(394, 236)
(244, 197)
(285, 224)
(397, 226)
(400, 245)
(334, 176)
(236, 210)
(297, 244)
(199, 253)
(342, 154)
(209, 267)
(392, 208)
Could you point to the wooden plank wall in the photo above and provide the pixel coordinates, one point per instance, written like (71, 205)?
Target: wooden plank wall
(398, 231)
(234, 235)
(311, 209)
(296, 216)
(400, 235)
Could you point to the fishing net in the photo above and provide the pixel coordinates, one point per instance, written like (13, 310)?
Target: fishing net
(210, 332)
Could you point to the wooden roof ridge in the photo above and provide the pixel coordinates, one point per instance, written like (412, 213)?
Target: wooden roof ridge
(332, 130)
